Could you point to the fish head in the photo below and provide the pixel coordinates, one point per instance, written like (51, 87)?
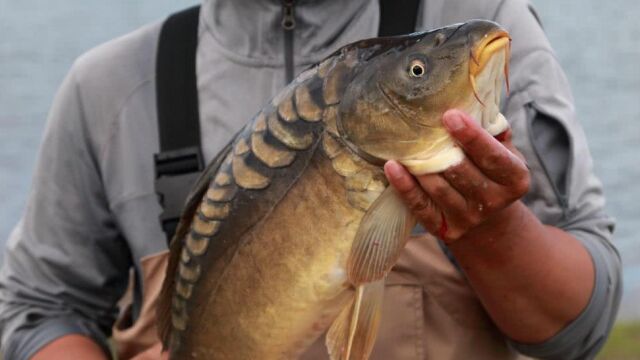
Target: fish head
(393, 107)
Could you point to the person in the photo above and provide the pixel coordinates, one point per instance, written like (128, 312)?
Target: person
(525, 267)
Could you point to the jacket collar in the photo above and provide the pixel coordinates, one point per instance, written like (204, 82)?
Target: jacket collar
(252, 30)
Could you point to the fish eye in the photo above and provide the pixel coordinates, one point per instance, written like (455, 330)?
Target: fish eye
(417, 68)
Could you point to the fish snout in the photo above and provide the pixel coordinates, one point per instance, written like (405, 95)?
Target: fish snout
(486, 39)
(476, 30)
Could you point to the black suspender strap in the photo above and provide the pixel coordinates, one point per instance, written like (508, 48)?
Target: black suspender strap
(176, 91)
(179, 162)
(398, 17)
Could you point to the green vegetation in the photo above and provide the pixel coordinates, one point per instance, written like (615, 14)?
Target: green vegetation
(624, 342)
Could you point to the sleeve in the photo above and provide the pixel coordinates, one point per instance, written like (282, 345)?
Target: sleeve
(65, 265)
(564, 191)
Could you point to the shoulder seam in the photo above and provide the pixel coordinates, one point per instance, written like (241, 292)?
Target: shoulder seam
(127, 198)
(498, 10)
(113, 126)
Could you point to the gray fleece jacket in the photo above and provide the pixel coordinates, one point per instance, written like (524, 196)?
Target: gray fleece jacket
(92, 213)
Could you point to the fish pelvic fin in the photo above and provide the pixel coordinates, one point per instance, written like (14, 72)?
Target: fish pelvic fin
(353, 333)
(382, 234)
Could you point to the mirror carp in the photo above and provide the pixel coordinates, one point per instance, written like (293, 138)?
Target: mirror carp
(292, 228)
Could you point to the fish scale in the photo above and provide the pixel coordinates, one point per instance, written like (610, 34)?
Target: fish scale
(297, 104)
(236, 174)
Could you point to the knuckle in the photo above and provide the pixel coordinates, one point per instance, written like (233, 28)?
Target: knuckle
(518, 154)
(418, 202)
(474, 218)
(454, 174)
(449, 173)
(521, 185)
(438, 191)
(471, 138)
(404, 187)
(451, 236)
(493, 160)
(491, 206)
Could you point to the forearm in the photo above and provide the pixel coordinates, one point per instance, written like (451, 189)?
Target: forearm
(71, 347)
(532, 279)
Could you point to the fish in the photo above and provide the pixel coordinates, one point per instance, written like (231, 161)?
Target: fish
(292, 228)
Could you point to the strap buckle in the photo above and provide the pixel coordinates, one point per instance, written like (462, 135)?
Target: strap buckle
(176, 173)
(176, 162)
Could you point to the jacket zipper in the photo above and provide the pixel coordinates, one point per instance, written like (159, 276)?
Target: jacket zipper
(288, 24)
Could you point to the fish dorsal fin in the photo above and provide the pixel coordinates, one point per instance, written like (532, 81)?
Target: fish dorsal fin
(163, 312)
(380, 238)
(354, 331)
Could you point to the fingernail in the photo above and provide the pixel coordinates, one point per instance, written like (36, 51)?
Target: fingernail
(393, 170)
(453, 121)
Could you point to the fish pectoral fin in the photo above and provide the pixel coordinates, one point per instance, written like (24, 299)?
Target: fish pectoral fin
(383, 231)
(382, 234)
(353, 333)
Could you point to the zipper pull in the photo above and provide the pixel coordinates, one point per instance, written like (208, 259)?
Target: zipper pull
(288, 18)
(288, 24)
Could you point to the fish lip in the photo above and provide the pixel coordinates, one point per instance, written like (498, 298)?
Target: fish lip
(493, 42)
(404, 117)
(481, 54)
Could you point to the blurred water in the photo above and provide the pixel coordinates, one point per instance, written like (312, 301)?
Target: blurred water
(38, 42)
(597, 43)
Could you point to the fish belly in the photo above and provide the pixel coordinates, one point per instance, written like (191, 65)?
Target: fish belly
(287, 283)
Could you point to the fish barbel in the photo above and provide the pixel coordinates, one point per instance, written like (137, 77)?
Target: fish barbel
(292, 228)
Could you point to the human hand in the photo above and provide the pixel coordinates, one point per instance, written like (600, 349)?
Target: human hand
(473, 194)
(153, 353)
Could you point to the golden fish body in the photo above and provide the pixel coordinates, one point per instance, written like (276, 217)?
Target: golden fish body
(291, 230)
(279, 295)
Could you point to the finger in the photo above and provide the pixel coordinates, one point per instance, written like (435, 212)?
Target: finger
(489, 155)
(469, 181)
(505, 138)
(416, 199)
(454, 209)
(399, 177)
(482, 194)
(440, 190)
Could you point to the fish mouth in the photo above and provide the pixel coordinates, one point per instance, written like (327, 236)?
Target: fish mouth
(483, 52)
